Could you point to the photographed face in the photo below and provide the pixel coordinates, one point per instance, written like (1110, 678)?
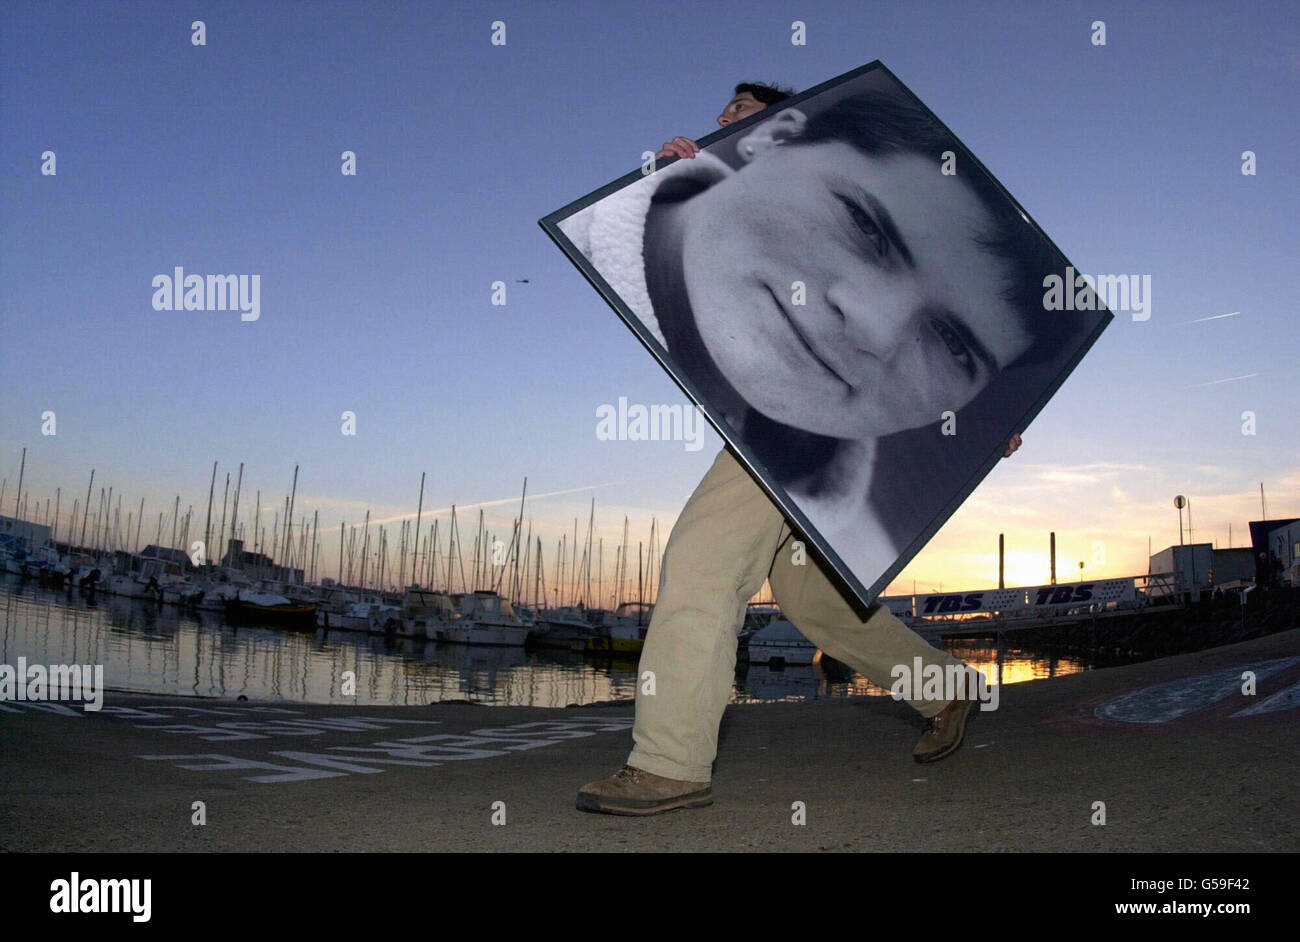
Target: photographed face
(902, 316)
(742, 106)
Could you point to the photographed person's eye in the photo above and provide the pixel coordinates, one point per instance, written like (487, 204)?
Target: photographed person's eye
(868, 226)
(956, 346)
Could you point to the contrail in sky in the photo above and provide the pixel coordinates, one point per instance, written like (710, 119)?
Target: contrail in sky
(1212, 317)
(492, 503)
(1215, 382)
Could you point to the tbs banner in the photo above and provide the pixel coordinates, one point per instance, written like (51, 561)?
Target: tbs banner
(862, 311)
(1018, 599)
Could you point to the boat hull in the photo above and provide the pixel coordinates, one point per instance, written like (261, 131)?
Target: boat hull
(478, 633)
(240, 612)
(604, 643)
(566, 637)
(789, 654)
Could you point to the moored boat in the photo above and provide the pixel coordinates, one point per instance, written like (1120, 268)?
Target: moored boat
(483, 617)
(563, 627)
(621, 632)
(424, 611)
(779, 642)
(146, 578)
(270, 609)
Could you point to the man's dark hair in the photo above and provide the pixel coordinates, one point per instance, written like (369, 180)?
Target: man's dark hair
(881, 125)
(767, 94)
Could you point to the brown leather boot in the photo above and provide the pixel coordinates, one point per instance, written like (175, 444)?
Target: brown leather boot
(636, 791)
(944, 732)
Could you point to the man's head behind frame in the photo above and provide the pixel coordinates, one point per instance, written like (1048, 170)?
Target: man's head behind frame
(749, 98)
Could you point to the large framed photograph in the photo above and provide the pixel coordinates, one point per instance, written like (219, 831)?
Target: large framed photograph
(856, 304)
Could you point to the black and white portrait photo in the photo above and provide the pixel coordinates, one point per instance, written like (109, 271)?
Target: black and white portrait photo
(853, 301)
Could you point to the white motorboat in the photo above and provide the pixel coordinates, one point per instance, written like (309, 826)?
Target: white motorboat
(220, 589)
(146, 578)
(424, 611)
(757, 615)
(186, 593)
(565, 627)
(780, 642)
(386, 619)
(482, 618)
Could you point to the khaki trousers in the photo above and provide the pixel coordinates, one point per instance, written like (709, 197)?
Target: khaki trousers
(722, 548)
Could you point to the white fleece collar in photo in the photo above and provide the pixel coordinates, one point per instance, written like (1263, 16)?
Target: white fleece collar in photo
(611, 233)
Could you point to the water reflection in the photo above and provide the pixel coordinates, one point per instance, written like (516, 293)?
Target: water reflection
(150, 648)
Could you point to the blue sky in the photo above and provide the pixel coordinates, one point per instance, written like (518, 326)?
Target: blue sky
(376, 288)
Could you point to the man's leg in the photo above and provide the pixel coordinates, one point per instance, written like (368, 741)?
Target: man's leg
(716, 560)
(873, 648)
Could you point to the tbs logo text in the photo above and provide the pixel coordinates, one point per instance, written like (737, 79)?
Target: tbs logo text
(1060, 594)
(974, 601)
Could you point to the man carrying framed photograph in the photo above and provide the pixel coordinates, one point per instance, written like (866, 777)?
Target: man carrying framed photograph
(731, 537)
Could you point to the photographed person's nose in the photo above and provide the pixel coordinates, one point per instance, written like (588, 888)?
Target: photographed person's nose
(876, 321)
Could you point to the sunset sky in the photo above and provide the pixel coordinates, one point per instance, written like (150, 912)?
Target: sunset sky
(376, 289)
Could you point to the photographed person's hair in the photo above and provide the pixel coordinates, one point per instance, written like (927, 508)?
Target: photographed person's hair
(767, 94)
(881, 125)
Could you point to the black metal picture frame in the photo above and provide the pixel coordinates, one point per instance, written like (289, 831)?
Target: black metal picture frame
(1000, 408)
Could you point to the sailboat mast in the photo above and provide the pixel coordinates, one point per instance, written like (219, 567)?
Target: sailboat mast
(85, 511)
(365, 550)
(315, 541)
(221, 537)
(207, 526)
(401, 555)
(234, 516)
(514, 587)
(415, 552)
(573, 571)
(528, 553)
(22, 469)
(591, 522)
(288, 517)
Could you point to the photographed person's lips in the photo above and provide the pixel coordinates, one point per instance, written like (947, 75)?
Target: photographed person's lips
(803, 340)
